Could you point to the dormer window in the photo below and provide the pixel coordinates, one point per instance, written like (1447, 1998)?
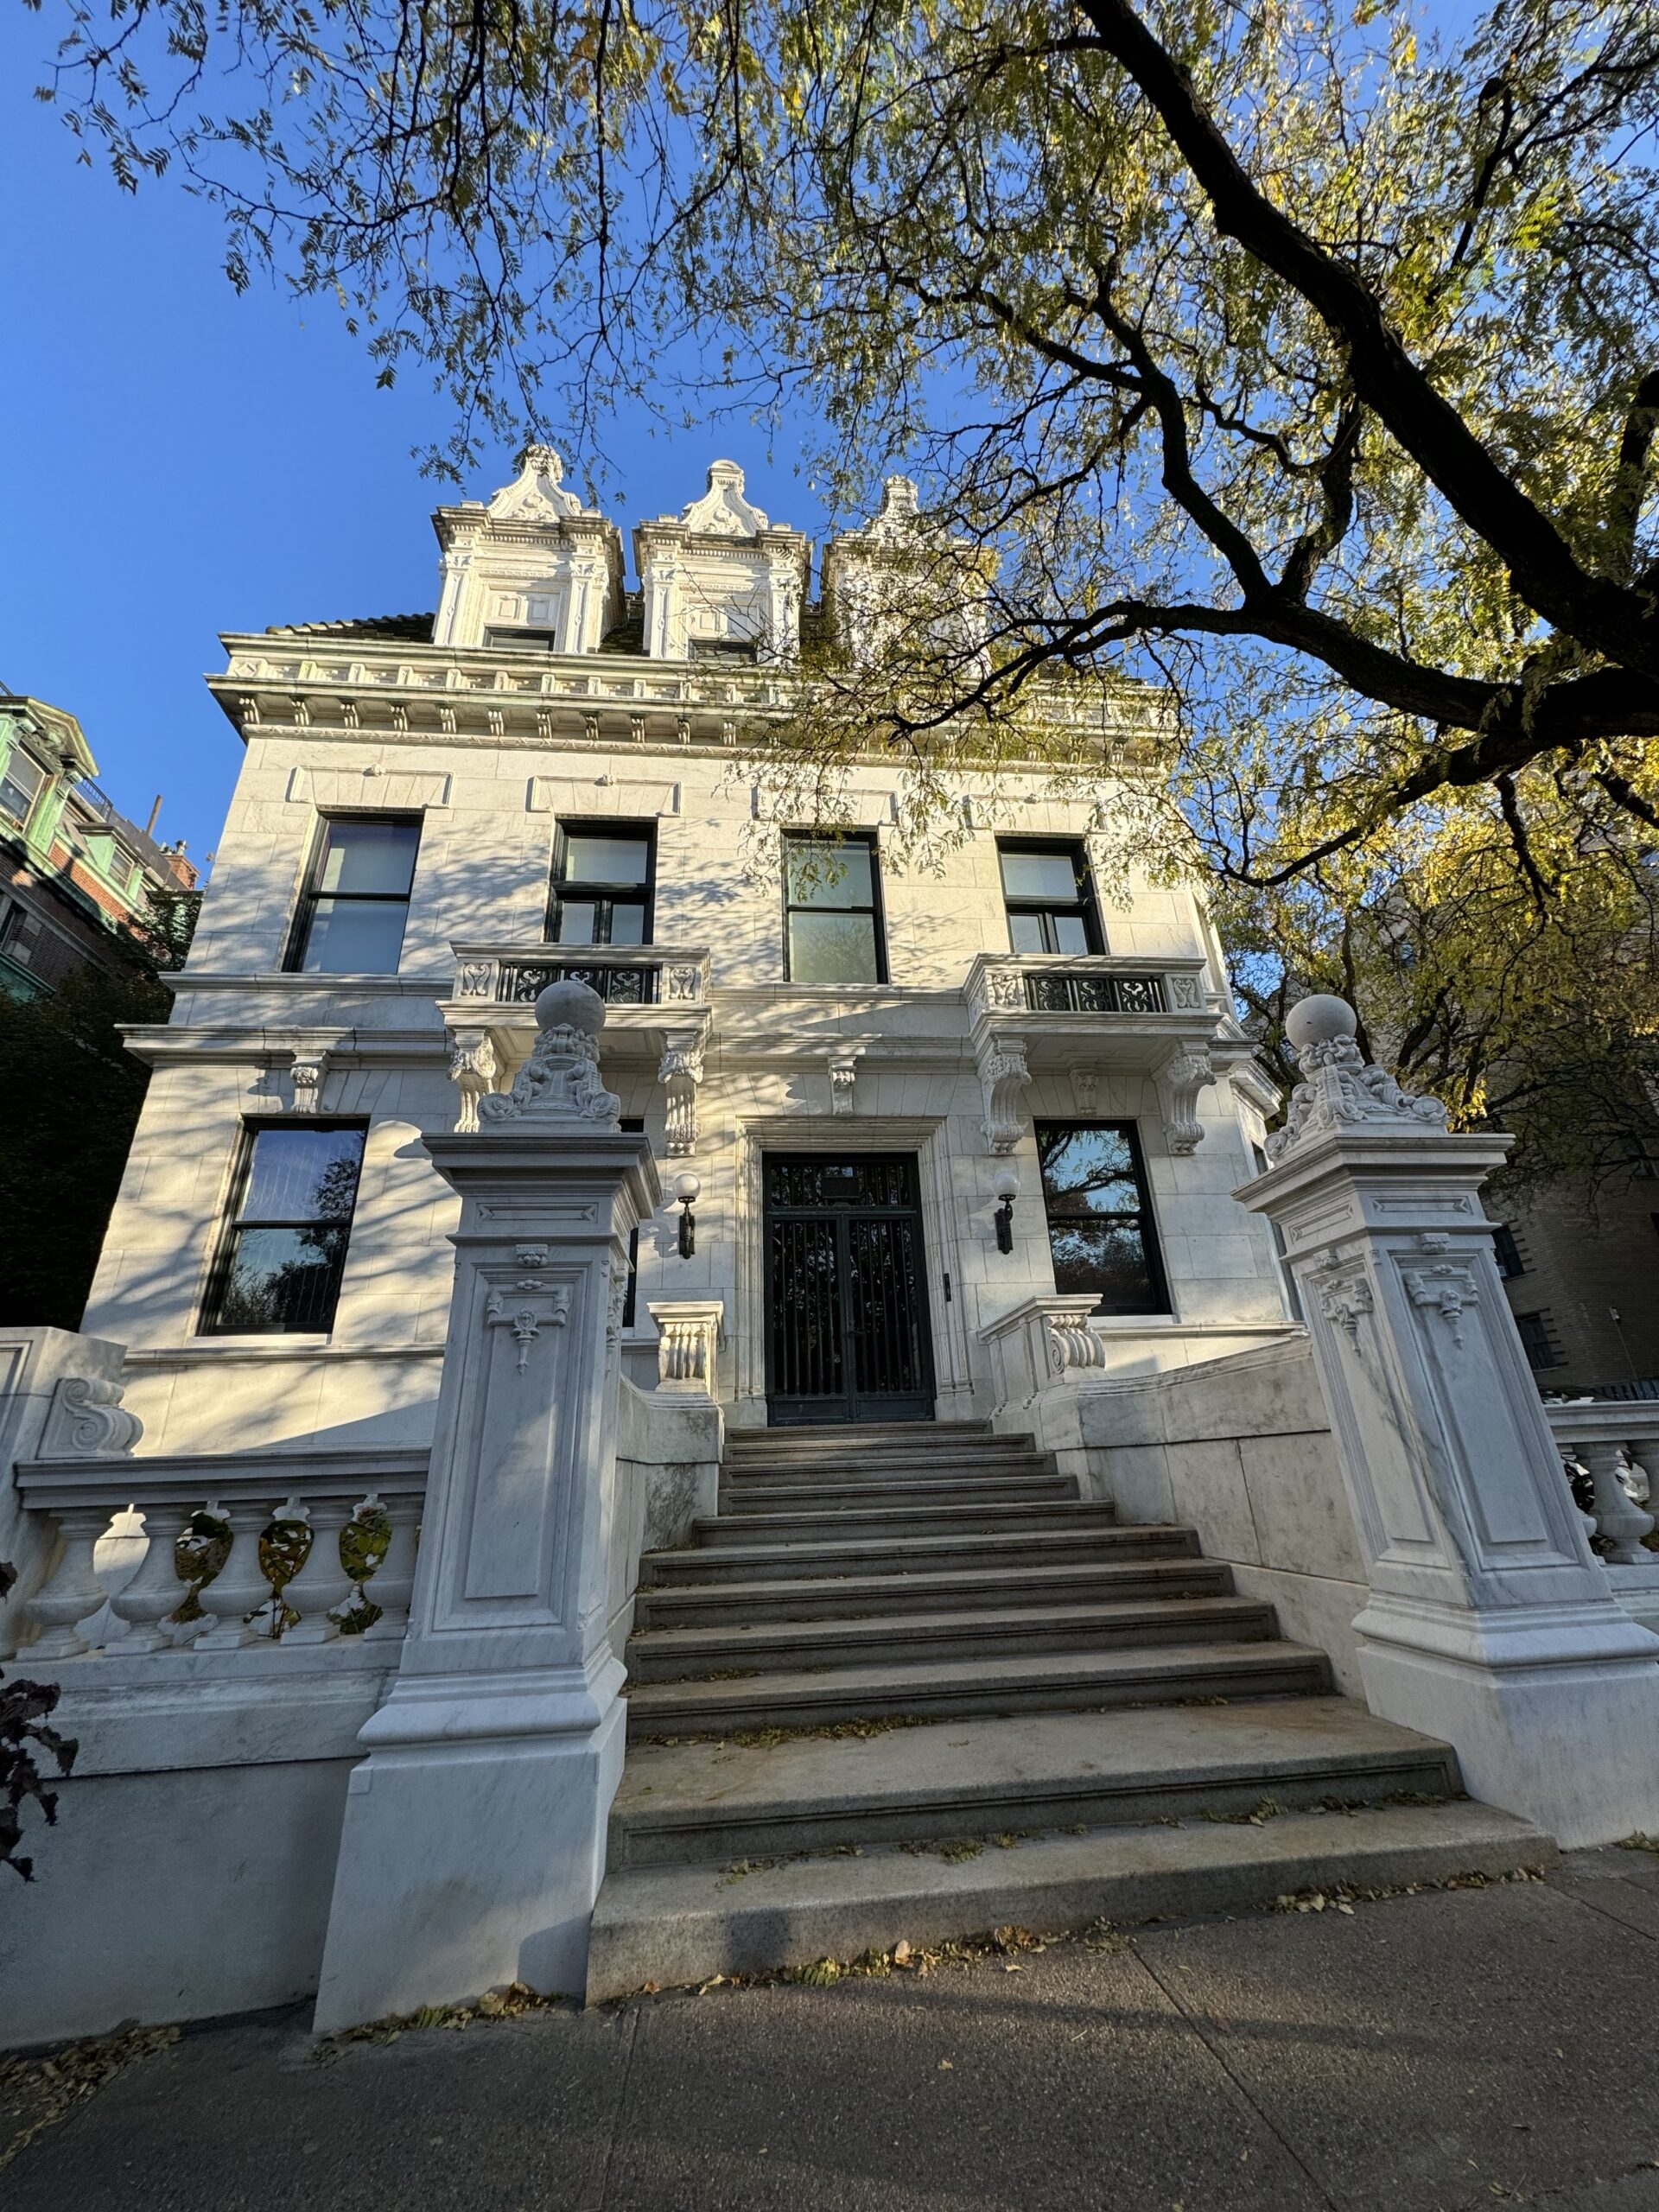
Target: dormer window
(743, 650)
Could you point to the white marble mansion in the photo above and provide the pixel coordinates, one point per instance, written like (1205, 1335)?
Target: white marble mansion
(656, 1365)
(436, 818)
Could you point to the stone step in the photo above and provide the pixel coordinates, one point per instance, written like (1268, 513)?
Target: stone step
(1009, 1682)
(668, 1655)
(670, 1925)
(762, 1562)
(805, 1436)
(978, 1777)
(875, 1596)
(987, 1517)
(878, 1460)
(745, 1496)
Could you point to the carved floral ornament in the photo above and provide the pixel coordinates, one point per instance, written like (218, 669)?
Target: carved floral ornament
(1339, 1090)
(524, 1321)
(1344, 1295)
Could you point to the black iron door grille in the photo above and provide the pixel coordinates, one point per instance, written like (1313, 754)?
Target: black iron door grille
(846, 1291)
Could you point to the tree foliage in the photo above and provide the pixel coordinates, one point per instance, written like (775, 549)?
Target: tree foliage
(1295, 356)
(73, 1093)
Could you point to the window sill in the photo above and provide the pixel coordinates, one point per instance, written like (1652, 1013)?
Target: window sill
(205, 1349)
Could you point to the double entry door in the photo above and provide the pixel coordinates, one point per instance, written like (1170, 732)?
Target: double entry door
(848, 1337)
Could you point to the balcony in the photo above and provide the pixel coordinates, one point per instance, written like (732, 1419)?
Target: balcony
(623, 975)
(1004, 986)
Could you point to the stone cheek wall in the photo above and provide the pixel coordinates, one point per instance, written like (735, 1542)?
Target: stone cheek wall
(1240, 1449)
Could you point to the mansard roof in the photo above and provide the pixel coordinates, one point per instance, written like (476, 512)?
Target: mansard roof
(411, 629)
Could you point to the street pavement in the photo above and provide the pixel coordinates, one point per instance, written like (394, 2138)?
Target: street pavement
(1443, 2050)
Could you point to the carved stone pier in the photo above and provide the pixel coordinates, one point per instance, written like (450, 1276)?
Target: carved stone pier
(474, 1836)
(1491, 1623)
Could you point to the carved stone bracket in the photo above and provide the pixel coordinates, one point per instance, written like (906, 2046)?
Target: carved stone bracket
(306, 1073)
(1182, 1075)
(473, 1070)
(843, 1074)
(1085, 1085)
(680, 1072)
(86, 1420)
(1003, 1077)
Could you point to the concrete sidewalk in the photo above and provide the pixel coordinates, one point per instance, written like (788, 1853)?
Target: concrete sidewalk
(1445, 2050)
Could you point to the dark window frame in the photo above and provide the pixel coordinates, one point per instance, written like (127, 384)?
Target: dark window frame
(1510, 1259)
(311, 891)
(1084, 906)
(1537, 1336)
(594, 893)
(876, 909)
(233, 1222)
(1145, 1215)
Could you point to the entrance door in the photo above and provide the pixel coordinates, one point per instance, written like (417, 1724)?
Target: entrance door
(848, 1336)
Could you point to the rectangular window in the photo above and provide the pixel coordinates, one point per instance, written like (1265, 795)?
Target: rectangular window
(1506, 1251)
(356, 902)
(20, 784)
(1100, 1225)
(603, 876)
(1536, 1340)
(285, 1249)
(1046, 890)
(832, 912)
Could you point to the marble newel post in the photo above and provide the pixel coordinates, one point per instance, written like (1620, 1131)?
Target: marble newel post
(1489, 1623)
(474, 1843)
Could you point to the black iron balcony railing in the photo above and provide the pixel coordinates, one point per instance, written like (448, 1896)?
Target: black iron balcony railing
(521, 982)
(1047, 993)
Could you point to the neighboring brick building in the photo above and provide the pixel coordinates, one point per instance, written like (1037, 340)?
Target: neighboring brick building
(80, 884)
(1584, 1288)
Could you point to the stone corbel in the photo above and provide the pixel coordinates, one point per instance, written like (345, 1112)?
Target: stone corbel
(1182, 1075)
(87, 1421)
(306, 1073)
(1003, 1077)
(843, 1074)
(472, 1069)
(680, 1072)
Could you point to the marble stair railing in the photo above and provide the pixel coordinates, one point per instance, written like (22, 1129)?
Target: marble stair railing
(1617, 1443)
(235, 1550)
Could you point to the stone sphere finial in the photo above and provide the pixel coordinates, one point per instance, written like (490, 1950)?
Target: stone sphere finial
(1321, 1018)
(570, 1005)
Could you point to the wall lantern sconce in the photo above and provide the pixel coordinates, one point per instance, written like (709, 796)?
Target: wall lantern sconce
(686, 1187)
(1007, 1188)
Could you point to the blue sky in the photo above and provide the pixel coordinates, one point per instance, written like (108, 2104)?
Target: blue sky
(179, 461)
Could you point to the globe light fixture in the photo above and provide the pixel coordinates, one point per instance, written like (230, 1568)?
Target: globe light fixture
(686, 1187)
(1006, 1186)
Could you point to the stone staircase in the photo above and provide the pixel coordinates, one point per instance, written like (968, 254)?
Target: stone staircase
(908, 1684)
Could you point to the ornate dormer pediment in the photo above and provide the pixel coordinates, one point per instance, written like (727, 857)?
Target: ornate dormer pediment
(533, 568)
(537, 493)
(898, 574)
(721, 577)
(723, 512)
